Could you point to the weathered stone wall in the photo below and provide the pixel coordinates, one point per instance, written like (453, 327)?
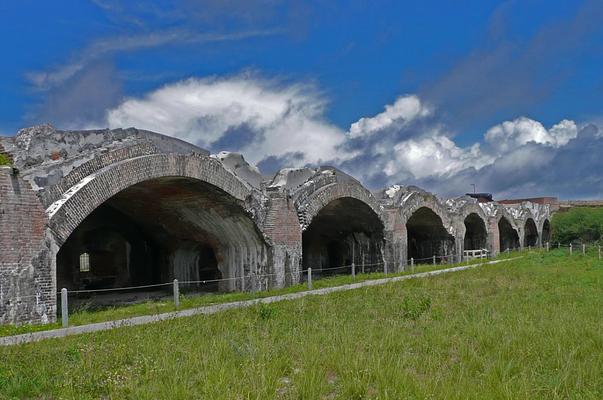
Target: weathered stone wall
(282, 228)
(27, 290)
(257, 225)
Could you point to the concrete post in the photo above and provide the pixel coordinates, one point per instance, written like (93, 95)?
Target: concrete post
(353, 269)
(64, 308)
(547, 246)
(434, 260)
(583, 249)
(558, 245)
(176, 294)
(571, 249)
(530, 247)
(309, 278)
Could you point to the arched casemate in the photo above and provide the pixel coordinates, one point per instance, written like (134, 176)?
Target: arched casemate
(341, 224)
(471, 224)
(508, 236)
(156, 218)
(530, 232)
(546, 233)
(419, 226)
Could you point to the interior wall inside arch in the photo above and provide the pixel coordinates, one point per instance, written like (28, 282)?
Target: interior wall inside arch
(476, 236)
(428, 237)
(530, 233)
(508, 237)
(159, 230)
(346, 230)
(546, 232)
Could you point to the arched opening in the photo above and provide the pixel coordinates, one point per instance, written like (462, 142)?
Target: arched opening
(546, 232)
(508, 237)
(156, 231)
(530, 234)
(475, 233)
(427, 237)
(344, 231)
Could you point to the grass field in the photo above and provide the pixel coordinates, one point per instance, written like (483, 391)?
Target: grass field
(530, 328)
(85, 315)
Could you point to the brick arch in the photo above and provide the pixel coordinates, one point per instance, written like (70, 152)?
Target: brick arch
(502, 212)
(310, 205)
(461, 216)
(470, 208)
(66, 213)
(526, 221)
(100, 161)
(421, 199)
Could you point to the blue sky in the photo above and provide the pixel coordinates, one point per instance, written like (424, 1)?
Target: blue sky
(390, 91)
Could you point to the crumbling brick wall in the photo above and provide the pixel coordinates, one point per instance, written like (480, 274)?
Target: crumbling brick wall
(26, 279)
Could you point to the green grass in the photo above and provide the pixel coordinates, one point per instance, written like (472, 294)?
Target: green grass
(4, 160)
(85, 315)
(525, 329)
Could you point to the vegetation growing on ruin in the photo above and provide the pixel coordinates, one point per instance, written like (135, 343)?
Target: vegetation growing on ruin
(580, 224)
(524, 329)
(4, 159)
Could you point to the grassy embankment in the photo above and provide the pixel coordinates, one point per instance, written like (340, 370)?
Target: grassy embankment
(530, 328)
(86, 315)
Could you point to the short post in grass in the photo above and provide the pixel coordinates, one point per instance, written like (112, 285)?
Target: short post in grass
(571, 249)
(64, 308)
(353, 270)
(434, 259)
(412, 264)
(309, 278)
(583, 249)
(547, 246)
(599, 252)
(529, 247)
(176, 293)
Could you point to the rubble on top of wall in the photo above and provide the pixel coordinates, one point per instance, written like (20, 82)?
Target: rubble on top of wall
(398, 195)
(236, 164)
(457, 204)
(44, 154)
(291, 178)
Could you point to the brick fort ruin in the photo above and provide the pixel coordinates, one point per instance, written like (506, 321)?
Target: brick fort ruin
(102, 209)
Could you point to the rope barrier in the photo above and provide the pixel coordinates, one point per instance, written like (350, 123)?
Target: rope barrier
(116, 289)
(577, 248)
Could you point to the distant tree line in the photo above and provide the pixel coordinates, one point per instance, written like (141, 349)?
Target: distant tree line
(580, 224)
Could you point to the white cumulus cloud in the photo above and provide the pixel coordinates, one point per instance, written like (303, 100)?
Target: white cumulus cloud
(404, 110)
(261, 118)
(510, 134)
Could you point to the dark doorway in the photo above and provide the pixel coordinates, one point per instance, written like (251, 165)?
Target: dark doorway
(508, 237)
(530, 234)
(345, 230)
(154, 232)
(476, 235)
(546, 232)
(427, 237)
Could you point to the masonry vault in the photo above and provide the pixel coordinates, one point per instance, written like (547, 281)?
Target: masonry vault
(159, 230)
(427, 236)
(346, 230)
